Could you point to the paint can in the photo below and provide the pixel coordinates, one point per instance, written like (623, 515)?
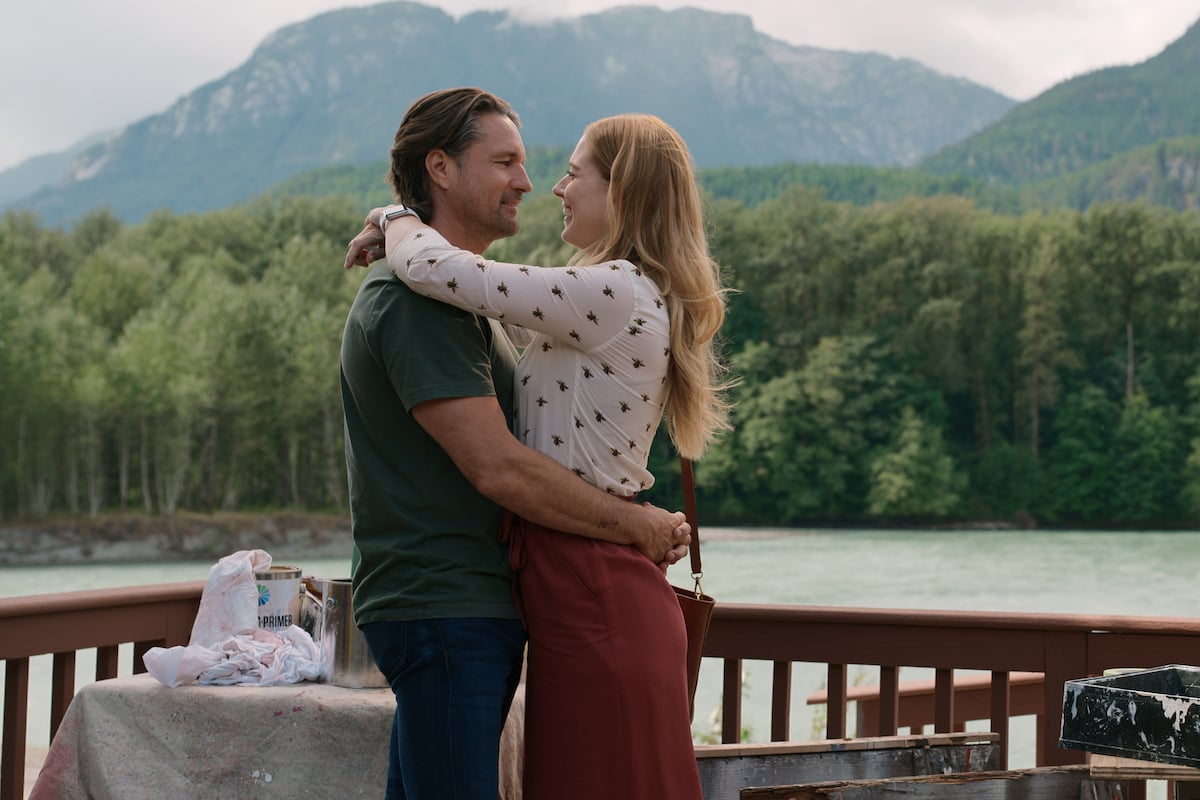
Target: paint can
(279, 597)
(344, 651)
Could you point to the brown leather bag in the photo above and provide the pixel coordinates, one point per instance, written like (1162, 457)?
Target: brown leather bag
(697, 607)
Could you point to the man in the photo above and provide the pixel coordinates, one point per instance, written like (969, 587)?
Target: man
(427, 393)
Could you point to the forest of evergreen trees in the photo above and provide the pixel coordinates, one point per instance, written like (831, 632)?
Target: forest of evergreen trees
(913, 362)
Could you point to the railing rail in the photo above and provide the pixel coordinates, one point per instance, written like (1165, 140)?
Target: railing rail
(63, 624)
(972, 700)
(1060, 647)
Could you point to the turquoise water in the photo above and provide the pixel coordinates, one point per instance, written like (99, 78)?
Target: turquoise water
(1142, 573)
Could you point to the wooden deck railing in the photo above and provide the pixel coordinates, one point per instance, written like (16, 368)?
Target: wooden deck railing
(1060, 647)
(972, 700)
(62, 625)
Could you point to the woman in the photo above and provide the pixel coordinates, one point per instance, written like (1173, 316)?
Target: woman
(622, 336)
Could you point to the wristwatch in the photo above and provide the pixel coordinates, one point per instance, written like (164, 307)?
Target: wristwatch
(391, 212)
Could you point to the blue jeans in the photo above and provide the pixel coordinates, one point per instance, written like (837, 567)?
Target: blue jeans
(454, 680)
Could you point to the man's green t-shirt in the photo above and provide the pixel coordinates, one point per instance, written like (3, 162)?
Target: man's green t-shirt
(425, 540)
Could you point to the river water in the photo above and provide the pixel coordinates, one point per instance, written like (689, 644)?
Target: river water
(1138, 573)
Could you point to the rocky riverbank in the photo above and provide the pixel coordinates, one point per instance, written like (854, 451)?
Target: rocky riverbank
(138, 537)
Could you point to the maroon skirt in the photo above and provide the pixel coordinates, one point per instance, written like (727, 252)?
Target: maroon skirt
(606, 705)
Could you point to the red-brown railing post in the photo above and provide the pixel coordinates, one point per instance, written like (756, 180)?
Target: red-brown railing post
(106, 661)
(781, 700)
(943, 700)
(16, 713)
(1001, 700)
(889, 701)
(62, 687)
(835, 709)
(731, 703)
(1066, 659)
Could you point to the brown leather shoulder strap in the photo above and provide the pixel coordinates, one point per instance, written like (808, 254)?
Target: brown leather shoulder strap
(689, 510)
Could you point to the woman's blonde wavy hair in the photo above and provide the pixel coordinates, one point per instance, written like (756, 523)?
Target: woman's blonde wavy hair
(656, 221)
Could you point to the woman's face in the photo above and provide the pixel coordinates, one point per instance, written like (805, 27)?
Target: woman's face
(584, 193)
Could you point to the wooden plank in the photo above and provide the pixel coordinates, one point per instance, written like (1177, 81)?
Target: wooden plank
(839, 745)
(1044, 783)
(726, 769)
(1116, 767)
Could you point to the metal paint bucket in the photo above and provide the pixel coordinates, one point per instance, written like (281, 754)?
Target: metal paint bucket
(344, 651)
(278, 597)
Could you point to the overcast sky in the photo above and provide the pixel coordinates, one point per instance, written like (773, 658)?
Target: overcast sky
(71, 68)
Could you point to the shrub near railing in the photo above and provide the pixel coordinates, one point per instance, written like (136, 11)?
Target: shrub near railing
(63, 624)
(1061, 647)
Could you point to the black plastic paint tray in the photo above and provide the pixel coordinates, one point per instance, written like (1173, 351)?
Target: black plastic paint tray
(1151, 714)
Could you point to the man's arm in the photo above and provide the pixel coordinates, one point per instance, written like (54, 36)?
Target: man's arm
(474, 433)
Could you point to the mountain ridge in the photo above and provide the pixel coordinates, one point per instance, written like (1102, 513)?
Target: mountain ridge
(331, 90)
(1086, 120)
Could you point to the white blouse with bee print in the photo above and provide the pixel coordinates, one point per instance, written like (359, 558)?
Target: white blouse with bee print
(592, 380)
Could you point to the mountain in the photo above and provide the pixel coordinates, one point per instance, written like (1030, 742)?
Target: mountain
(32, 174)
(1166, 173)
(330, 91)
(1086, 120)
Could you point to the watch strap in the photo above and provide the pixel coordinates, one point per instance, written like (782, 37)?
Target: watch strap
(392, 212)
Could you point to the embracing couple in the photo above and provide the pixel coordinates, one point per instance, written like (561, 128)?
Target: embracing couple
(493, 497)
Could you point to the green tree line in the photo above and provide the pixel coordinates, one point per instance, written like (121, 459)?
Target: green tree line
(1165, 173)
(907, 362)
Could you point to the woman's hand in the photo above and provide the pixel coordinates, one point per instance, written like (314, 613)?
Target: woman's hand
(680, 550)
(367, 247)
(666, 537)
